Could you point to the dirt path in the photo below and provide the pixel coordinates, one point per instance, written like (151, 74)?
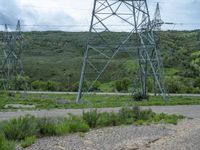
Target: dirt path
(99, 93)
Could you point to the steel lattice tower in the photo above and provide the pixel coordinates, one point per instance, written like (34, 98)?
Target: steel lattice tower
(157, 20)
(11, 66)
(157, 23)
(104, 44)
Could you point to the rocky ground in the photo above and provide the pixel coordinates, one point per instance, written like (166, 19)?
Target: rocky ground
(184, 136)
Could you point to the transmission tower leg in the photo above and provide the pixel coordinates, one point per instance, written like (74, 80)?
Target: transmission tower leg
(82, 76)
(80, 89)
(143, 77)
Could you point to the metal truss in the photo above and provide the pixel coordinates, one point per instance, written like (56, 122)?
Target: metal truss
(136, 41)
(11, 66)
(157, 23)
(157, 20)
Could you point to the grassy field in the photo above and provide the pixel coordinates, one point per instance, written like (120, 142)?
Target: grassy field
(49, 101)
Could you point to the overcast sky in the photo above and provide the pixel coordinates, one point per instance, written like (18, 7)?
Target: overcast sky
(78, 12)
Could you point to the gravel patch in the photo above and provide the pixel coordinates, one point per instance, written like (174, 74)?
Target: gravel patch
(184, 136)
(111, 138)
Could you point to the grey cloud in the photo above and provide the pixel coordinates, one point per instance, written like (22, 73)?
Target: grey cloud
(179, 11)
(192, 8)
(9, 12)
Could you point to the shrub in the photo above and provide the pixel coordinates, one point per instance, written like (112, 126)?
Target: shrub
(21, 83)
(133, 114)
(107, 119)
(139, 96)
(108, 87)
(45, 86)
(38, 85)
(147, 114)
(75, 86)
(91, 118)
(77, 124)
(17, 83)
(2, 81)
(174, 85)
(62, 128)
(52, 86)
(28, 141)
(47, 126)
(197, 82)
(126, 115)
(96, 86)
(122, 85)
(18, 129)
(51, 127)
(170, 119)
(6, 145)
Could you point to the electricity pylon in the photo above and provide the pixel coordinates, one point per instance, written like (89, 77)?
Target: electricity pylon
(157, 23)
(11, 67)
(157, 20)
(104, 44)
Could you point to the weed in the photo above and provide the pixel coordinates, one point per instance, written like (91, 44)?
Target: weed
(91, 118)
(18, 129)
(82, 135)
(5, 144)
(77, 124)
(139, 122)
(62, 128)
(147, 114)
(172, 119)
(169, 119)
(127, 115)
(28, 141)
(47, 126)
(140, 96)
(107, 119)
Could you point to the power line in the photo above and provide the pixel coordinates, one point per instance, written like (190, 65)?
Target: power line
(77, 25)
(85, 25)
(182, 24)
(60, 7)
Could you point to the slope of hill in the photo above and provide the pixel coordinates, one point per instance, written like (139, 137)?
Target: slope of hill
(57, 56)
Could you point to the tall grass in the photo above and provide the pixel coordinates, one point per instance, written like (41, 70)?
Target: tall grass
(18, 129)
(28, 141)
(127, 115)
(5, 144)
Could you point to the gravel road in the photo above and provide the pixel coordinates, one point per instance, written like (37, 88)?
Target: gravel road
(192, 111)
(99, 93)
(184, 136)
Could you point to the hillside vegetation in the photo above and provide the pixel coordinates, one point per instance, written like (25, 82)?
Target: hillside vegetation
(52, 61)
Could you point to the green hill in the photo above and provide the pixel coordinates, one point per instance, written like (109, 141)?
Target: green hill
(57, 56)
